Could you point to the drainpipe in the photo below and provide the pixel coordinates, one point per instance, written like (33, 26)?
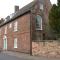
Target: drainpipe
(30, 33)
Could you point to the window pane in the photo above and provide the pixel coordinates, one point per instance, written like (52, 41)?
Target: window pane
(15, 43)
(0, 31)
(41, 6)
(15, 26)
(38, 22)
(10, 25)
(6, 30)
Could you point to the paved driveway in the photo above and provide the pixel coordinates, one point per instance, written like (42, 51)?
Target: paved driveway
(5, 56)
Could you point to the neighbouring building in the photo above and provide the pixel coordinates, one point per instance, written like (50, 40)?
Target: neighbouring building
(24, 26)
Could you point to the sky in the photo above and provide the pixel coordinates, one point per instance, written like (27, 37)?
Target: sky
(7, 6)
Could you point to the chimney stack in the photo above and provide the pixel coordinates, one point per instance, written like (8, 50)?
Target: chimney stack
(16, 8)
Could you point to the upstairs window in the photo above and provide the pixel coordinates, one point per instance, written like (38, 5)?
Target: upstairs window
(6, 30)
(41, 6)
(10, 25)
(0, 31)
(38, 22)
(16, 26)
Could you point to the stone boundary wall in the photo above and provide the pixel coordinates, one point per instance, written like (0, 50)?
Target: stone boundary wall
(46, 48)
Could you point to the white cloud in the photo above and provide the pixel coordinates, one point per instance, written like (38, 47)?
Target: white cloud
(53, 1)
(7, 6)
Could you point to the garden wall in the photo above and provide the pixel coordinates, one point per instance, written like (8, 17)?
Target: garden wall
(47, 48)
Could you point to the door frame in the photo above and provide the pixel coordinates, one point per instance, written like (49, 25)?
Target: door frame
(5, 43)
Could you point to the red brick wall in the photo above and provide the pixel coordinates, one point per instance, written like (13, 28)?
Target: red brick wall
(23, 34)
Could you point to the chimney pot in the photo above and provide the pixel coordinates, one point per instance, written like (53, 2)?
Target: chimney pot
(16, 8)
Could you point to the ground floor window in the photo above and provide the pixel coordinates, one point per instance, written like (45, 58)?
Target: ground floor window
(15, 42)
(5, 42)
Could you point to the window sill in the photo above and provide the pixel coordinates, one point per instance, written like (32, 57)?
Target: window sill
(15, 48)
(39, 29)
(16, 31)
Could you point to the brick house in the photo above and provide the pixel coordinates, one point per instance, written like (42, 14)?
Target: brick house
(25, 25)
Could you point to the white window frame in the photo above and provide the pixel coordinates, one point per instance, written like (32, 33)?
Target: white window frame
(15, 26)
(5, 42)
(0, 31)
(40, 24)
(15, 43)
(10, 25)
(5, 29)
(41, 6)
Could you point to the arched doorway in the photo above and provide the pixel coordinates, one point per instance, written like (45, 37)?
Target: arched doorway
(5, 43)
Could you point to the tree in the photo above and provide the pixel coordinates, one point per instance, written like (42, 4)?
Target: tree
(54, 18)
(58, 2)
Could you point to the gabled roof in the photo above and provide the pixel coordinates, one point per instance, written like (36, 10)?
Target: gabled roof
(22, 11)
